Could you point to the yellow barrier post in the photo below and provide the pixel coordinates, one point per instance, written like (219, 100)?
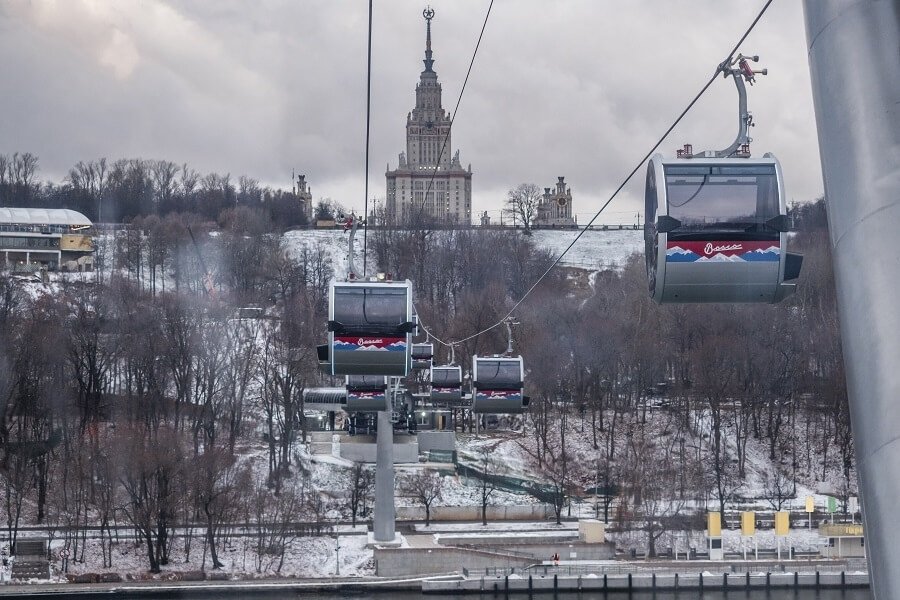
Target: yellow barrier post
(810, 509)
(748, 530)
(782, 525)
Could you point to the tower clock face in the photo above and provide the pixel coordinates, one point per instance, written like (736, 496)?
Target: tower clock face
(561, 201)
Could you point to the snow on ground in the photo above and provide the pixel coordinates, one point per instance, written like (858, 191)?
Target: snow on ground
(594, 250)
(504, 449)
(304, 557)
(332, 242)
(495, 526)
(515, 451)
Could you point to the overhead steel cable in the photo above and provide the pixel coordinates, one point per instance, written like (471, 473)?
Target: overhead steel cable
(455, 110)
(368, 123)
(722, 65)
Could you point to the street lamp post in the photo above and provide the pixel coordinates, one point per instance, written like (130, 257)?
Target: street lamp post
(337, 552)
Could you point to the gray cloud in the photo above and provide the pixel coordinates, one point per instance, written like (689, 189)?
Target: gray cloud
(579, 88)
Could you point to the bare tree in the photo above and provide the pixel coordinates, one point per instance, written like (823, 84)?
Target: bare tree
(249, 191)
(219, 486)
(164, 175)
(522, 202)
(487, 465)
(275, 516)
(779, 488)
(650, 457)
(360, 480)
(150, 464)
(425, 487)
(281, 380)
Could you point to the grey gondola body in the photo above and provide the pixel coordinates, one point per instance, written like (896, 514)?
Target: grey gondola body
(731, 244)
(498, 384)
(366, 393)
(369, 328)
(446, 385)
(422, 356)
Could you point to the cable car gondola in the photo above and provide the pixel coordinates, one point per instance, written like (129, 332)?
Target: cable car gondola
(446, 385)
(422, 356)
(715, 223)
(366, 393)
(370, 325)
(497, 384)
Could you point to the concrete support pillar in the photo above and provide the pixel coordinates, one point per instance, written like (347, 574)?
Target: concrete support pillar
(854, 61)
(383, 526)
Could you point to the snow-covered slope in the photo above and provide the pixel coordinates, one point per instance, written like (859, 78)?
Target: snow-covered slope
(594, 250)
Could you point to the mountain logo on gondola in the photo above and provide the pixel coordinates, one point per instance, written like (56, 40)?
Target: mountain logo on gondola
(498, 395)
(390, 344)
(772, 253)
(679, 254)
(722, 252)
(720, 258)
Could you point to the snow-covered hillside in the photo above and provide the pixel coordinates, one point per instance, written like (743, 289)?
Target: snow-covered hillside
(594, 250)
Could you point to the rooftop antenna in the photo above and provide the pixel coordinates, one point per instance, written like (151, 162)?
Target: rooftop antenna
(740, 70)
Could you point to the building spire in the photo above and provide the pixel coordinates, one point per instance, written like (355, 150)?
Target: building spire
(428, 13)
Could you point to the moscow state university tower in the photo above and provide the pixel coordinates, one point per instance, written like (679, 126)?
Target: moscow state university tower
(429, 183)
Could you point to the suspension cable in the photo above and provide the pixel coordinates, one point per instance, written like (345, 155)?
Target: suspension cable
(637, 167)
(455, 110)
(365, 214)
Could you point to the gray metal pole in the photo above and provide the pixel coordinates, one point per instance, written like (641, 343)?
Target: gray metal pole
(383, 526)
(854, 62)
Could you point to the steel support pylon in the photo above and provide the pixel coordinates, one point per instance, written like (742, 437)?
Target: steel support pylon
(383, 523)
(854, 63)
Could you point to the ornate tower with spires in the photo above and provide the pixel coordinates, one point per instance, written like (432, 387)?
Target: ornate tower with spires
(427, 182)
(555, 207)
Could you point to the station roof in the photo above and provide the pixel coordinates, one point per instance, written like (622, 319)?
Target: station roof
(43, 216)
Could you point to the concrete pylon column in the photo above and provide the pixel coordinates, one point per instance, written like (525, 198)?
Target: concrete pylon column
(854, 62)
(383, 525)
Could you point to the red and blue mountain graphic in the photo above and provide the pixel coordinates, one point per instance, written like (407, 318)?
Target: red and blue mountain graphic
(510, 395)
(377, 344)
(719, 252)
(366, 395)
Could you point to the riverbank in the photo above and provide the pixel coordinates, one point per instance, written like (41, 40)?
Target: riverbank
(685, 581)
(582, 577)
(213, 589)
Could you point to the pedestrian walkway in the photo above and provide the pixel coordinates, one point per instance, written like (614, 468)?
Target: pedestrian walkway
(421, 541)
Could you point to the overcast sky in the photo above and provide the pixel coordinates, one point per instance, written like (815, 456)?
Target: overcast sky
(579, 88)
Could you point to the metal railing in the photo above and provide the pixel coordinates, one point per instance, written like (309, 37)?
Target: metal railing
(685, 568)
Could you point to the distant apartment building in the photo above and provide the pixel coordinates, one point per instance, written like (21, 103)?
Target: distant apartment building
(427, 182)
(554, 208)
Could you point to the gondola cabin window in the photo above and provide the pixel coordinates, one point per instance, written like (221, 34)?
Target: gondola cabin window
(499, 374)
(370, 310)
(737, 200)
